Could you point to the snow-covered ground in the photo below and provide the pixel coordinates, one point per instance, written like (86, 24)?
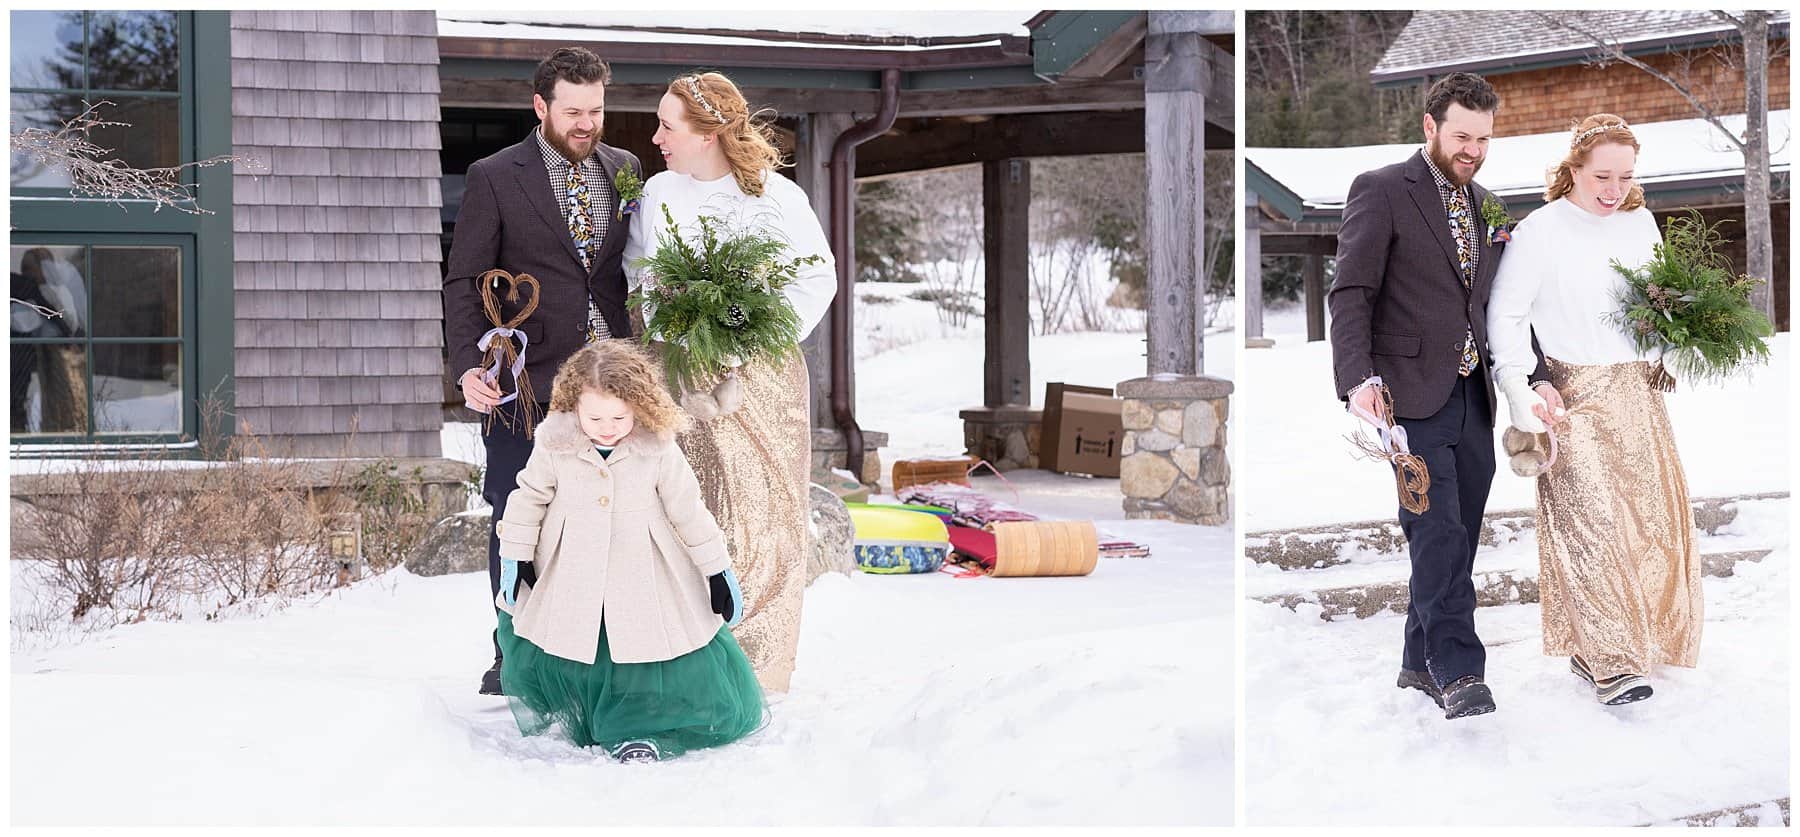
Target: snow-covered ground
(1319, 696)
(1330, 740)
(1300, 471)
(918, 700)
(914, 374)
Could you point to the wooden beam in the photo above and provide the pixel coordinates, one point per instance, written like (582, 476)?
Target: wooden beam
(1006, 245)
(922, 144)
(1297, 245)
(1175, 108)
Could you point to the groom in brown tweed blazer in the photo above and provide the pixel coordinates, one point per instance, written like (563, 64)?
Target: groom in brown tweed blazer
(1415, 264)
(544, 206)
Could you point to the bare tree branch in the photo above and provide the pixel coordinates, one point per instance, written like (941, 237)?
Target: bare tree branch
(91, 174)
(1616, 52)
(41, 310)
(1729, 18)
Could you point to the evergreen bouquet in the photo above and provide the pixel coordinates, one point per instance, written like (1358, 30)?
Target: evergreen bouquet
(1686, 302)
(717, 304)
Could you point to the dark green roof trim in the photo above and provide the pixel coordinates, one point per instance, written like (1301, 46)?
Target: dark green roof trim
(1271, 192)
(1066, 37)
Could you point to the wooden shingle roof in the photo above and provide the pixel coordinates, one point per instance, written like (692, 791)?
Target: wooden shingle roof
(1438, 42)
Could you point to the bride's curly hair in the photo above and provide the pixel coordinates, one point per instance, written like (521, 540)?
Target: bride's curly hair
(746, 137)
(622, 369)
(1591, 133)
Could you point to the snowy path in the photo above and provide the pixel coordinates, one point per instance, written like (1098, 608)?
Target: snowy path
(1323, 715)
(919, 700)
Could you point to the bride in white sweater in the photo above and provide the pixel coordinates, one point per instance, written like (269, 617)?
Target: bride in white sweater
(753, 462)
(1619, 576)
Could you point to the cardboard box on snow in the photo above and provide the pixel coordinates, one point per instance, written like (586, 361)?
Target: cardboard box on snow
(1083, 430)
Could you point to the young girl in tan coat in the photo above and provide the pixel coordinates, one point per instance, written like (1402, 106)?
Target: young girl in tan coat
(624, 640)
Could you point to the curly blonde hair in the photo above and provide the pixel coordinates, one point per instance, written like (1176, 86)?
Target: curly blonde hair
(1591, 133)
(748, 139)
(623, 370)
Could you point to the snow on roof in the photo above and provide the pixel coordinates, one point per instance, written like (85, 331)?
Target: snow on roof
(1685, 149)
(853, 28)
(1438, 39)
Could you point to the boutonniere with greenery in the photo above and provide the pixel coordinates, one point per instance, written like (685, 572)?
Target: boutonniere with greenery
(1500, 224)
(630, 190)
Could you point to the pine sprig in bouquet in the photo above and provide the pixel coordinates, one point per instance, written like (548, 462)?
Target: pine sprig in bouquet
(1687, 302)
(717, 302)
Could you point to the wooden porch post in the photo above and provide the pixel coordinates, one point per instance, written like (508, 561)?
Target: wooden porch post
(1006, 244)
(1314, 279)
(1253, 294)
(812, 157)
(1175, 84)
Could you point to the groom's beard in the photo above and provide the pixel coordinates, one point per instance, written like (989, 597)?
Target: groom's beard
(1447, 164)
(566, 147)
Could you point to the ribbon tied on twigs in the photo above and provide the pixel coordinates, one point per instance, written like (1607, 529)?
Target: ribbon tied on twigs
(497, 348)
(1411, 478)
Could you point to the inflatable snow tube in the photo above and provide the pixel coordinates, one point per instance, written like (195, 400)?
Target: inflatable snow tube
(892, 540)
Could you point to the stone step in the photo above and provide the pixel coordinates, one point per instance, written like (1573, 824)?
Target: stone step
(1755, 814)
(1494, 587)
(1318, 547)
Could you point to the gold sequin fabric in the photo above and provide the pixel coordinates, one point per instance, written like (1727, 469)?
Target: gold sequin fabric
(1619, 576)
(753, 466)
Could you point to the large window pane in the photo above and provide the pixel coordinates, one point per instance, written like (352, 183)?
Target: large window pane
(137, 291)
(49, 389)
(134, 51)
(137, 389)
(152, 136)
(37, 110)
(46, 49)
(49, 278)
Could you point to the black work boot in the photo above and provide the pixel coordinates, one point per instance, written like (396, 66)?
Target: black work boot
(1467, 696)
(1410, 679)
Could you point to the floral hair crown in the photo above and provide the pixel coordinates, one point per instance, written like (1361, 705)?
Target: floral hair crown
(1599, 129)
(693, 85)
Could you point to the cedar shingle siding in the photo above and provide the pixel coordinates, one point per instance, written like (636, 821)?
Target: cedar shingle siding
(338, 295)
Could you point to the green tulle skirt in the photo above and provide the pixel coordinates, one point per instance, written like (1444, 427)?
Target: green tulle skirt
(705, 698)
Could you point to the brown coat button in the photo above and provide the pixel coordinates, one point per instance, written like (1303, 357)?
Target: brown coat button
(604, 501)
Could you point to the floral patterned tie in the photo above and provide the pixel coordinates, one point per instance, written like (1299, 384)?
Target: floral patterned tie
(1460, 221)
(581, 225)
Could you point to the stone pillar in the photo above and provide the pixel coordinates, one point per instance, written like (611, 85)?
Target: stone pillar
(1007, 437)
(828, 450)
(1175, 464)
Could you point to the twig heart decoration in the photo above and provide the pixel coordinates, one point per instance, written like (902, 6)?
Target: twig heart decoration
(499, 353)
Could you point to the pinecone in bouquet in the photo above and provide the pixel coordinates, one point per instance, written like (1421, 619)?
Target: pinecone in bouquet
(1686, 303)
(716, 304)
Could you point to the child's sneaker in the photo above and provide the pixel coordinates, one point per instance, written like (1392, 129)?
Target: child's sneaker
(636, 751)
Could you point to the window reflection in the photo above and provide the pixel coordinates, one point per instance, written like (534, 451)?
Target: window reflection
(133, 51)
(137, 389)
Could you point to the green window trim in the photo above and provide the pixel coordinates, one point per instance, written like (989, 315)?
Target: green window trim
(54, 217)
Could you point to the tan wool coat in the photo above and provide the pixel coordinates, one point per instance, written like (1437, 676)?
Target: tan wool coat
(627, 539)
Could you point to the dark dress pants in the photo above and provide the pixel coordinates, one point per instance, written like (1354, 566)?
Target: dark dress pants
(507, 452)
(1457, 445)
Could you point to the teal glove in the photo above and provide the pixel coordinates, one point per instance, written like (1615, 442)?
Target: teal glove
(509, 579)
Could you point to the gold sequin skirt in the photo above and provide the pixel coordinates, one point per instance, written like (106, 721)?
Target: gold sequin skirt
(753, 466)
(1619, 576)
